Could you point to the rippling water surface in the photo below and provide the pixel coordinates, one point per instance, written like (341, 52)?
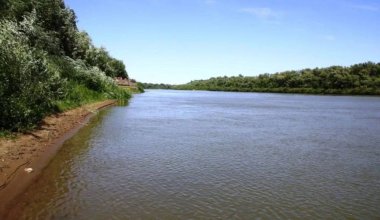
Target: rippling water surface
(209, 155)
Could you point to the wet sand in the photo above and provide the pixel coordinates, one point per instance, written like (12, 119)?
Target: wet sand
(35, 149)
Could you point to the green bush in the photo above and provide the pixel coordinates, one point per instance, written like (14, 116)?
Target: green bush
(77, 70)
(47, 65)
(79, 94)
(27, 88)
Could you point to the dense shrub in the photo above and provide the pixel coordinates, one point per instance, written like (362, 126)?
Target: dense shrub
(79, 94)
(156, 86)
(47, 64)
(37, 78)
(77, 70)
(27, 88)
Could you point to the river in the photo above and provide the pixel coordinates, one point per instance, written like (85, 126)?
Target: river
(217, 155)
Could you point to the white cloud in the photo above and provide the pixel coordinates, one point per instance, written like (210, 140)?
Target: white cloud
(261, 13)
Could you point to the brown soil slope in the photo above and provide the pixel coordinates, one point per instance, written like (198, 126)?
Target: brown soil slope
(35, 149)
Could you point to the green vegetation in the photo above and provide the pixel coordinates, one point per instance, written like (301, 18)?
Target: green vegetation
(48, 65)
(359, 79)
(140, 87)
(156, 86)
(133, 90)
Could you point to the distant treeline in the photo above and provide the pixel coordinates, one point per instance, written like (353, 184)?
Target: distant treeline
(359, 79)
(48, 65)
(156, 86)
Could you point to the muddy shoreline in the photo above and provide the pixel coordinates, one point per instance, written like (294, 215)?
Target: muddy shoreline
(36, 149)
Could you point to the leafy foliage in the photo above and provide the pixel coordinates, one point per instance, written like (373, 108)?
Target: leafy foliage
(27, 89)
(156, 86)
(112, 67)
(47, 64)
(358, 79)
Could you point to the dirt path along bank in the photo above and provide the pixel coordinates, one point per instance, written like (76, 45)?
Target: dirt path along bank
(23, 158)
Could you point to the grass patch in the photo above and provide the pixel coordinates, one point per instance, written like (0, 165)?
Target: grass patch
(134, 89)
(7, 134)
(79, 94)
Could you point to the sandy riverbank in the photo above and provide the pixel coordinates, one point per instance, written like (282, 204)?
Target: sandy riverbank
(35, 150)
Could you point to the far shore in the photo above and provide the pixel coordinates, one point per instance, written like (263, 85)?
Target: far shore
(24, 157)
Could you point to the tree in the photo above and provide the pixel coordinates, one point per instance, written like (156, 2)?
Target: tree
(27, 88)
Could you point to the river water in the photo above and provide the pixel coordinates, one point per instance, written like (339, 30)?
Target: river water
(217, 155)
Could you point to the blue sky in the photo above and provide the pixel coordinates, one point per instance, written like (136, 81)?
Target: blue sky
(176, 41)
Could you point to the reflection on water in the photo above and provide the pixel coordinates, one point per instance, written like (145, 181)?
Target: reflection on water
(206, 155)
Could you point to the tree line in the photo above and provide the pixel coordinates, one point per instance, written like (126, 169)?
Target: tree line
(48, 65)
(156, 86)
(359, 79)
